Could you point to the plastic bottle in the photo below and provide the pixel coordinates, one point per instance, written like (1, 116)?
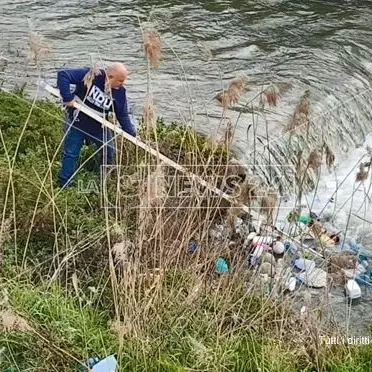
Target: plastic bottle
(304, 219)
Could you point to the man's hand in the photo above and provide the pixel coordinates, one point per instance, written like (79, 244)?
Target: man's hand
(69, 104)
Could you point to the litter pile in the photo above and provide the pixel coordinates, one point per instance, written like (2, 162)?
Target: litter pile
(309, 253)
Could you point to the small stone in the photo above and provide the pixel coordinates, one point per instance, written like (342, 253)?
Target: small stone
(268, 257)
(267, 268)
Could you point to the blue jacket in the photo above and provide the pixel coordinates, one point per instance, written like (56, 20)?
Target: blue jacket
(95, 99)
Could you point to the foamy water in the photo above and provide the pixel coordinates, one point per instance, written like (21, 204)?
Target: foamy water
(341, 199)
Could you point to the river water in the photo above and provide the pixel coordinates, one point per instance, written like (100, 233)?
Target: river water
(323, 46)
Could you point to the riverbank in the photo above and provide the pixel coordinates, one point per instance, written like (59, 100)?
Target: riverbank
(82, 279)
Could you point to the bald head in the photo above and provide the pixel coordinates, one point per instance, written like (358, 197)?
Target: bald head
(117, 74)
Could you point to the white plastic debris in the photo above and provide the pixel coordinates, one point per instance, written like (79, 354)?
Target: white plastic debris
(256, 255)
(217, 232)
(291, 283)
(304, 264)
(262, 240)
(315, 277)
(278, 247)
(106, 365)
(251, 236)
(360, 269)
(303, 312)
(349, 273)
(352, 289)
(238, 222)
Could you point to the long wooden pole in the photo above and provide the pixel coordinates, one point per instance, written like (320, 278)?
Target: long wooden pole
(86, 110)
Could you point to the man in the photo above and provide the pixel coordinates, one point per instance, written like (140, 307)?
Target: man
(102, 91)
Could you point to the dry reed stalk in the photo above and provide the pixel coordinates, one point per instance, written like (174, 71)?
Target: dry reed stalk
(271, 95)
(330, 156)
(149, 117)
(268, 204)
(232, 216)
(316, 229)
(38, 49)
(362, 175)
(153, 48)
(91, 75)
(145, 217)
(247, 191)
(232, 95)
(10, 322)
(152, 192)
(156, 187)
(315, 160)
(300, 175)
(4, 234)
(123, 250)
(300, 119)
(229, 134)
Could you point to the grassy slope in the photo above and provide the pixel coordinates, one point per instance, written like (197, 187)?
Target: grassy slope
(62, 300)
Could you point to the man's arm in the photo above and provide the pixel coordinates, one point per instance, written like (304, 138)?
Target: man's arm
(121, 110)
(67, 77)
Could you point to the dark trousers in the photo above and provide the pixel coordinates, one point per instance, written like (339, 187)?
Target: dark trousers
(73, 143)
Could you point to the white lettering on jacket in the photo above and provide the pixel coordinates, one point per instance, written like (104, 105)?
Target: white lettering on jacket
(99, 98)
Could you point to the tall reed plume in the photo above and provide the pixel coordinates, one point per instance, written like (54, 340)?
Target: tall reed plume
(301, 117)
(149, 117)
(362, 175)
(271, 96)
(330, 156)
(153, 48)
(269, 203)
(38, 48)
(315, 160)
(232, 95)
(91, 75)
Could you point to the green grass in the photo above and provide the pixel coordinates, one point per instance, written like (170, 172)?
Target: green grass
(170, 313)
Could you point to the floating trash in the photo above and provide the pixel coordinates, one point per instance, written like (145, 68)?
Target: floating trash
(221, 266)
(262, 240)
(257, 253)
(96, 364)
(290, 283)
(315, 278)
(89, 364)
(304, 264)
(106, 365)
(352, 290)
(193, 247)
(278, 247)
